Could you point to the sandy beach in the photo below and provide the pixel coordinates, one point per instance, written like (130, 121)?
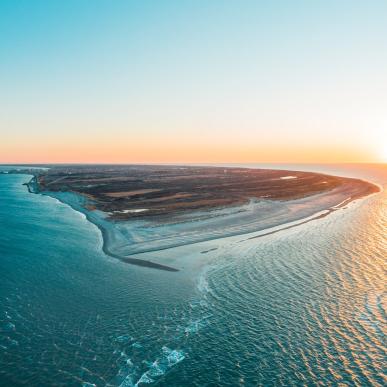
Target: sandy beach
(130, 240)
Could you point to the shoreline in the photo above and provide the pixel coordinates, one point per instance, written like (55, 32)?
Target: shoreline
(33, 187)
(120, 241)
(287, 223)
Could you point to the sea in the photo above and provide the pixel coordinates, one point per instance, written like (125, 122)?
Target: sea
(302, 307)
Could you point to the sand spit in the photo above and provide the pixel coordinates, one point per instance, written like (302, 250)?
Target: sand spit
(130, 240)
(126, 240)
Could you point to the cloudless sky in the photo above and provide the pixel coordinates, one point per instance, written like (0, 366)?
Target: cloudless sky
(193, 81)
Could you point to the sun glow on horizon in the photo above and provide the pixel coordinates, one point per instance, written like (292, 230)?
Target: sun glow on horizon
(383, 153)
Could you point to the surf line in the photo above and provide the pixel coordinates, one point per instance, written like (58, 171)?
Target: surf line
(317, 217)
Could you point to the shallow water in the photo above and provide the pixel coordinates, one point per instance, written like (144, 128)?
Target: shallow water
(304, 306)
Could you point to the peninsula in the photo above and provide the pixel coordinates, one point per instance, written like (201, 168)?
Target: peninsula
(165, 192)
(146, 208)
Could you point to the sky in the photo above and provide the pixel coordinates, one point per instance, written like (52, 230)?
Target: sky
(200, 81)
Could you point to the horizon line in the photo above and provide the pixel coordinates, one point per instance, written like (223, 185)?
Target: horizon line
(196, 163)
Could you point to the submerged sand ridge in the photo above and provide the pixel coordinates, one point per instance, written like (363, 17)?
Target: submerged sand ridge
(176, 206)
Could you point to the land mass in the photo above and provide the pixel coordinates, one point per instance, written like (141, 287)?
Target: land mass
(144, 209)
(165, 192)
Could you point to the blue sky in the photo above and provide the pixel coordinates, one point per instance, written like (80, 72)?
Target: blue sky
(149, 81)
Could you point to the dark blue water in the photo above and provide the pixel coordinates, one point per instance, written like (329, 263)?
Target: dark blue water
(302, 307)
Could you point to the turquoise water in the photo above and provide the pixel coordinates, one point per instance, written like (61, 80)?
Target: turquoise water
(305, 306)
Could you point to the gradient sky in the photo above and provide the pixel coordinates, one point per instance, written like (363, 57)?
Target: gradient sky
(193, 81)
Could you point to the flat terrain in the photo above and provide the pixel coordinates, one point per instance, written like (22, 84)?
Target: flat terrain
(135, 191)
